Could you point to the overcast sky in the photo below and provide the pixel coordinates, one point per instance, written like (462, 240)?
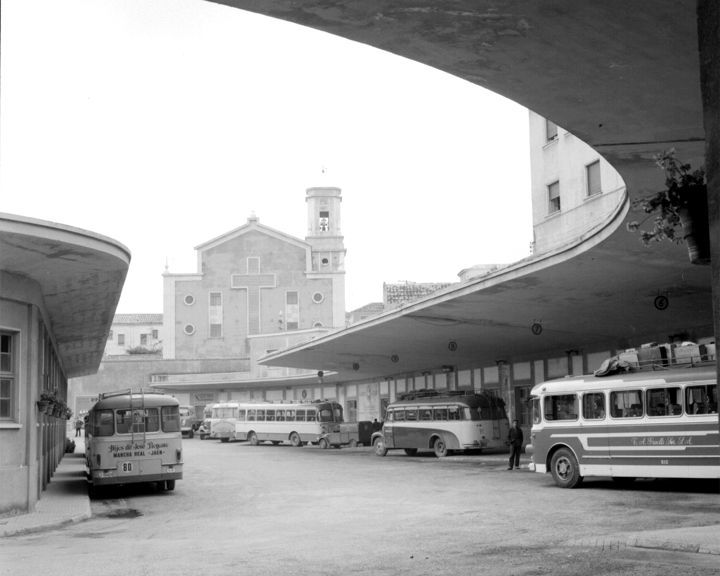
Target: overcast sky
(165, 123)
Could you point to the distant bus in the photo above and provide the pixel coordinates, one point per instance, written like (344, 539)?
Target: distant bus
(134, 437)
(443, 422)
(639, 424)
(222, 421)
(297, 424)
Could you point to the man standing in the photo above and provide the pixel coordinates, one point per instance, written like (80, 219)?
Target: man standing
(78, 426)
(515, 440)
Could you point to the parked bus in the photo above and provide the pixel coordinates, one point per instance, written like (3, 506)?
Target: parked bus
(189, 422)
(443, 422)
(134, 437)
(222, 421)
(297, 424)
(638, 424)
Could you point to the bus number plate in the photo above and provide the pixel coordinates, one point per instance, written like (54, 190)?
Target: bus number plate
(171, 469)
(127, 466)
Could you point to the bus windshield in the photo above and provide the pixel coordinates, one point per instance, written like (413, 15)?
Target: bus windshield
(225, 412)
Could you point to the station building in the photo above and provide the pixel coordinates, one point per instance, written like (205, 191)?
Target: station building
(59, 287)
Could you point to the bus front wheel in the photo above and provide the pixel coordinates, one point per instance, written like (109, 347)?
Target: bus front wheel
(565, 469)
(379, 446)
(295, 440)
(253, 439)
(440, 448)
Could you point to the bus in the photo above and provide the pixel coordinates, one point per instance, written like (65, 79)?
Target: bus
(443, 422)
(134, 437)
(298, 424)
(645, 423)
(222, 421)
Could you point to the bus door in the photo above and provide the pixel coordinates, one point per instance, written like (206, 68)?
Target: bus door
(595, 447)
(497, 413)
(392, 418)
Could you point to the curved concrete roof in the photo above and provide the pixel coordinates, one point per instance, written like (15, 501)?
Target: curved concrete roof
(81, 275)
(622, 75)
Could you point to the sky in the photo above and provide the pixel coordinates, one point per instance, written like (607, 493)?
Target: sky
(166, 123)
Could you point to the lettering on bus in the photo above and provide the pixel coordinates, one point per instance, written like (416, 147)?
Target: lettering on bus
(665, 441)
(137, 449)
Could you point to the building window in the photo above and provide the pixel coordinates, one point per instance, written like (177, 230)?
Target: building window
(121, 339)
(318, 325)
(155, 334)
(551, 130)
(143, 339)
(352, 410)
(325, 261)
(189, 329)
(292, 311)
(593, 178)
(215, 314)
(189, 300)
(317, 297)
(7, 377)
(324, 221)
(554, 197)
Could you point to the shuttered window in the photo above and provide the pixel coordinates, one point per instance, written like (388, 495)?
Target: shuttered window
(593, 179)
(554, 197)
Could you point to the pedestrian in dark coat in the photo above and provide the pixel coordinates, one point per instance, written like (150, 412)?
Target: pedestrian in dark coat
(515, 440)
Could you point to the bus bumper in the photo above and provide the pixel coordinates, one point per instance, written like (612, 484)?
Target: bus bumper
(112, 477)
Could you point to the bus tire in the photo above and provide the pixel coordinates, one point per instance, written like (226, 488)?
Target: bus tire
(411, 451)
(253, 439)
(379, 447)
(295, 440)
(224, 439)
(191, 434)
(440, 448)
(565, 470)
(202, 436)
(323, 444)
(170, 484)
(353, 443)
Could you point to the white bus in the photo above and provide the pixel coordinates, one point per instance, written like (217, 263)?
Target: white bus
(297, 424)
(222, 421)
(638, 424)
(443, 422)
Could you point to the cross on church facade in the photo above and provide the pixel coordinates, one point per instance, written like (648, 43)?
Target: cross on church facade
(252, 282)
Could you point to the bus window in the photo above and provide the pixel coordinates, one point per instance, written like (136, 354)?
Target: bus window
(399, 415)
(426, 414)
(280, 415)
(338, 414)
(453, 413)
(251, 415)
(260, 415)
(300, 416)
(241, 415)
(325, 415)
(170, 418)
(270, 415)
(411, 414)
(627, 404)
(290, 415)
(701, 399)
(152, 421)
(465, 414)
(441, 413)
(561, 407)
(102, 424)
(389, 415)
(536, 411)
(123, 421)
(663, 402)
(594, 406)
(311, 415)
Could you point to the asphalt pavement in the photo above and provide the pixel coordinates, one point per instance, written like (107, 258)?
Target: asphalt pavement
(66, 501)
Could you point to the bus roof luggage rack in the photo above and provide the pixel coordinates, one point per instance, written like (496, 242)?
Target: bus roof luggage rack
(421, 393)
(105, 395)
(651, 357)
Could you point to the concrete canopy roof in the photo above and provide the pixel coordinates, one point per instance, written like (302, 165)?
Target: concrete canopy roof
(80, 274)
(622, 75)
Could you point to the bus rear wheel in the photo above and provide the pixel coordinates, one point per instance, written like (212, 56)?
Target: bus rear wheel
(565, 469)
(295, 440)
(253, 439)
(379, 447)
(170, 484)
(440, 448)
(411, 451)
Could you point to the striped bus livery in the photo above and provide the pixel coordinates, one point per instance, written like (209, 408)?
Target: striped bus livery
(642, 424)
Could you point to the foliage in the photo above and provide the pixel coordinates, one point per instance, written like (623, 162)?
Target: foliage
(140, 350)
(680, 183)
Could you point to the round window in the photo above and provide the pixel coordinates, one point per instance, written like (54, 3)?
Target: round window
(317, 297)
(325, 261)
(318, 325)
(189, 299)
(189, 329)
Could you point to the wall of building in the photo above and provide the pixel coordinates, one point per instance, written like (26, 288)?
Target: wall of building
(565, 159)
(133, 337)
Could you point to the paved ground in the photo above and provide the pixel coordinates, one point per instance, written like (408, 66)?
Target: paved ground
(66, 502)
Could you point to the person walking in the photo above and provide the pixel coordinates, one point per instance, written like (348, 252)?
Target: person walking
(78, 426)
(515, 440)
